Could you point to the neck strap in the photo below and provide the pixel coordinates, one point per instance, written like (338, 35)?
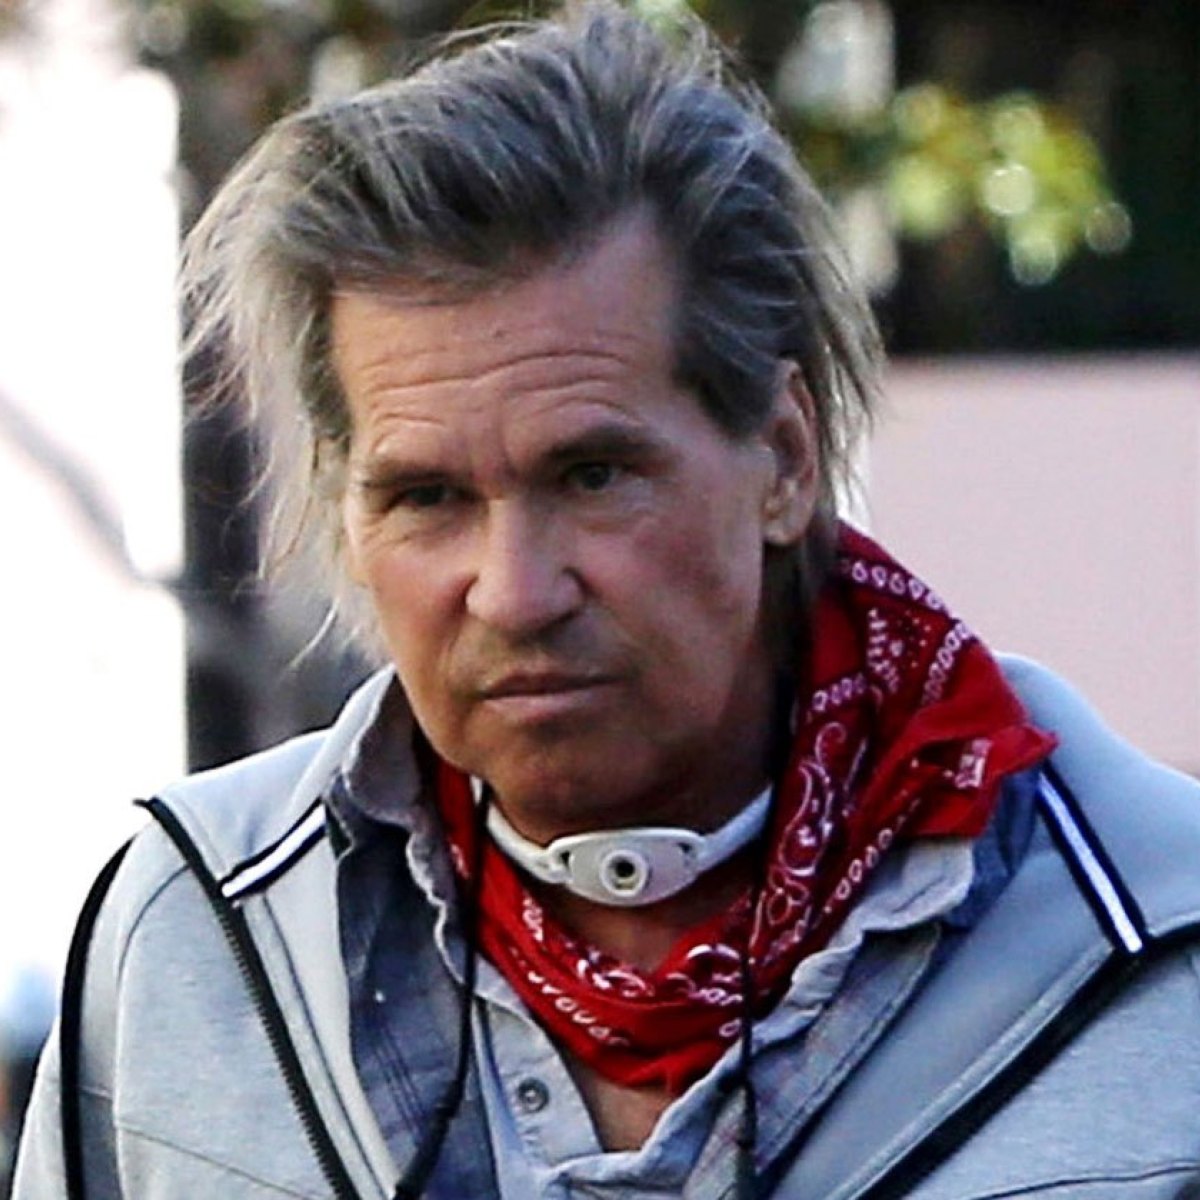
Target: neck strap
(628, 868)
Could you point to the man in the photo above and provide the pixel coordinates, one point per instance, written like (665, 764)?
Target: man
(686, 845)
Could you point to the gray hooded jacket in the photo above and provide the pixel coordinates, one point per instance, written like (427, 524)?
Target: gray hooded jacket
(1054, 1053)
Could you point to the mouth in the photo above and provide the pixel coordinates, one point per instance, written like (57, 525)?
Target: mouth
(544, 695)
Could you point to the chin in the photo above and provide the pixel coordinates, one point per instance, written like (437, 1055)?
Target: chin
(549, 800)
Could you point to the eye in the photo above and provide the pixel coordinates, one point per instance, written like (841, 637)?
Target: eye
(593, 476)
(422, 496)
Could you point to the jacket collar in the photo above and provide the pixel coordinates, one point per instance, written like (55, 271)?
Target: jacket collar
(236, 814)
(1155, 859)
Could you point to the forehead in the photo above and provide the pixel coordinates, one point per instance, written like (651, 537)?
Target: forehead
(607, 311)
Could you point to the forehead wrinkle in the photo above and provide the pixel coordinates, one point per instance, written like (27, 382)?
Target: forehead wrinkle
(385, 409)
(378, 372)
(382, 427)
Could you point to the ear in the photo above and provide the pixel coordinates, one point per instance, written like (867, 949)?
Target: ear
(790, 434)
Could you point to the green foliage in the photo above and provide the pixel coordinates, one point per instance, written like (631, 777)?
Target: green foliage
(1013, 165)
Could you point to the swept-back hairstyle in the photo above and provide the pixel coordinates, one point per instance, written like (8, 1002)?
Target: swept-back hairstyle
(496, 154)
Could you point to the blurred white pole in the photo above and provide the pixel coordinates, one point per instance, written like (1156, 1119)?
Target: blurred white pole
(91, 712)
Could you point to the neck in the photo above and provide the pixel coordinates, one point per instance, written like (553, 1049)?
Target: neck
(678, 803)
(643, 937)
(573, 879)
(633, 893)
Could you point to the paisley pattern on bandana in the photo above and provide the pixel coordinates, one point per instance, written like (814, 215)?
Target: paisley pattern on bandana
(906, 730)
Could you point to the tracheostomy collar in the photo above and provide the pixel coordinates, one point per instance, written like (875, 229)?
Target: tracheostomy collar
(628, 868)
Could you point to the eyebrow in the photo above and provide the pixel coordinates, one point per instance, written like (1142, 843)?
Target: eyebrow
(613, 439)
(386, 475)
(606, 440)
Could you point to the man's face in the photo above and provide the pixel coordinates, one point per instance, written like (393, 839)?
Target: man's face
(563, 550)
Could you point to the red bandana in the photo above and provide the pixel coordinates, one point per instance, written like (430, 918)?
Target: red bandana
(908, 730)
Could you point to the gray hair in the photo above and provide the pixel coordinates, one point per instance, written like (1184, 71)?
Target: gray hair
(495, 155)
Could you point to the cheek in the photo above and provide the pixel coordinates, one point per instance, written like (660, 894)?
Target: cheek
(703, 577)
(725, 548)
(410, 608)
(419, 635)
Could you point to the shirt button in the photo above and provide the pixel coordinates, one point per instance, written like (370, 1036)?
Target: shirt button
(532, 1095)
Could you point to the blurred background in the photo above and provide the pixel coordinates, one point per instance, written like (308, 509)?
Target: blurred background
(1019, 185)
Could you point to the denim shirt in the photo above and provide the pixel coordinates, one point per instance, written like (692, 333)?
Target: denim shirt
(543, 1143)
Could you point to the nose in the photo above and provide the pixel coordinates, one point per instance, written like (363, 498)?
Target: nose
(522, 582)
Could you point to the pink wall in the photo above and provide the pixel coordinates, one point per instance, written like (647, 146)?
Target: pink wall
(1055, 504)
